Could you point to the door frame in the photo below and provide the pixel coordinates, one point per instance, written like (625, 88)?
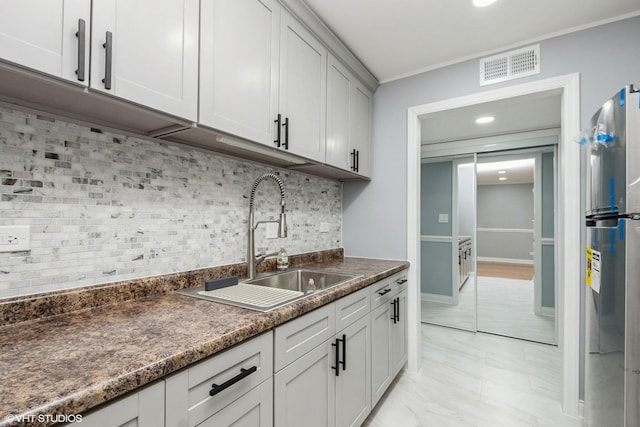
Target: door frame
(568, 236)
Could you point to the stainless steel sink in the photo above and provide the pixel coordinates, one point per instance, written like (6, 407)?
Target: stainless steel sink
(275, 290)
(305, 281)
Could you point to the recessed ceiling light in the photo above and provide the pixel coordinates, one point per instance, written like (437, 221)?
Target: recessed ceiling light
(501, 172)
(485, 120)
(483, 3)
(502, 178)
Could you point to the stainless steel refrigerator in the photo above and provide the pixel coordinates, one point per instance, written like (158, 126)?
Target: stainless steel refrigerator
(612, 383)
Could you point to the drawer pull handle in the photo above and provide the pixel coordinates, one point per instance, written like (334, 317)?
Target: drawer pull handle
(339, 362)
(401, 281)
(108, 49)
(396, 310)
(386, 291)
(215, 388)
(278, 123)
(285, 125)
(81, 35)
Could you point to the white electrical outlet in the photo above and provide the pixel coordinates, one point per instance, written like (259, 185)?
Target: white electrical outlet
(324, 227)
(443, 218)
(272, 230)
(15, 238)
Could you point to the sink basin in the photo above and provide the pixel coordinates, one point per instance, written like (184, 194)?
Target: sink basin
(273, 291)
(306, 281)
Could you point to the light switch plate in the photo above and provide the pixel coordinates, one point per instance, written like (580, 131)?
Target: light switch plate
(443, 218)
(324, 227)
(15, 238)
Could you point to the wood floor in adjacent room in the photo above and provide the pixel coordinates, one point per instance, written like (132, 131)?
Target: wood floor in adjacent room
(476, 380)
(505, 270)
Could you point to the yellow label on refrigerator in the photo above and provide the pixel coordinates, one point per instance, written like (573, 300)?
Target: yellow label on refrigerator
(589, 260)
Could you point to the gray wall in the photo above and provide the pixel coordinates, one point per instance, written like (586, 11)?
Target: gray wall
(466, 206)
(436, 184)
(502, 207)
(606, 58)
(548, 231)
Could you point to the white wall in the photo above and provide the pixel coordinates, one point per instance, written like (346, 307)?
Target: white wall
(606, 58)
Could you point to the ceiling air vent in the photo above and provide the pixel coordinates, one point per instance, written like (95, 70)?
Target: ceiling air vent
(510, 65)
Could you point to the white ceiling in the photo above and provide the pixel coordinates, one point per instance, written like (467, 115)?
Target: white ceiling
(524, 113)
(513, 171)
(398, 38)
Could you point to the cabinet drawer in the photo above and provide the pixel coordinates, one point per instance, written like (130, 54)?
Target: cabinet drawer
(399, 281)
(352, 307)
(254, 409)
(299, 336)
(381, 292)
(188, 399)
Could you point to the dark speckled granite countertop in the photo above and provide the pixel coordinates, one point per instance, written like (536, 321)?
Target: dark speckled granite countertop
(68, 363)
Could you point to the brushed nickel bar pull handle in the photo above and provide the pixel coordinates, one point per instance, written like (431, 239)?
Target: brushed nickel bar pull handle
(108, 46)
(81, 35)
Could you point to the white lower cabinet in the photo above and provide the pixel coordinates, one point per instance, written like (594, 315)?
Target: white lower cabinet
(399, 334)
(380, 354)
(223, 387)
(388, 332)
(353, 381)
(330, 384)
(142, 409)
(304, 391)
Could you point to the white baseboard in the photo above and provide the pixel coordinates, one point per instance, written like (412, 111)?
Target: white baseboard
(443, 299)
(505, 260)
(548, 311)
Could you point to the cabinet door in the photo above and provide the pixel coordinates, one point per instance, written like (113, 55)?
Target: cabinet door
(304, 392)
(152, 57)
(360, 128)
(303, 71)
(239, 67)
(254, 409)
(380, 351)
(339, 82)
(353, 384)
(399, 334)
(143, 409)
(41, 35)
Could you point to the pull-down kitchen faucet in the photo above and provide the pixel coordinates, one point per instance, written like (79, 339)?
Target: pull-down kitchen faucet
(252, 260)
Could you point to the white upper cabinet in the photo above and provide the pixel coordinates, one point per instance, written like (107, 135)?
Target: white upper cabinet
(339, 81)
(51, 37)
(303, 76)
(239, 67)
(262, 76)
(360, 129)
(348, 120)
(146, 51)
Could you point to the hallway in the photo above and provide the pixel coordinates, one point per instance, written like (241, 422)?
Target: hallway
(476, 380)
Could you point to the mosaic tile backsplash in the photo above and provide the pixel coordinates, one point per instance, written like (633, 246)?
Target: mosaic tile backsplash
(104, 207)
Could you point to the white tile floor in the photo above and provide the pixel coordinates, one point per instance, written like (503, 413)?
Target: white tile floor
(475, 379)
(505, 307)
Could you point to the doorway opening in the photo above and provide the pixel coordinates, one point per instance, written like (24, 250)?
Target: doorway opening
(568, 228)
(483, 219)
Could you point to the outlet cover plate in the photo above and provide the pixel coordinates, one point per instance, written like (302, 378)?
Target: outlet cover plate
(15, 238)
